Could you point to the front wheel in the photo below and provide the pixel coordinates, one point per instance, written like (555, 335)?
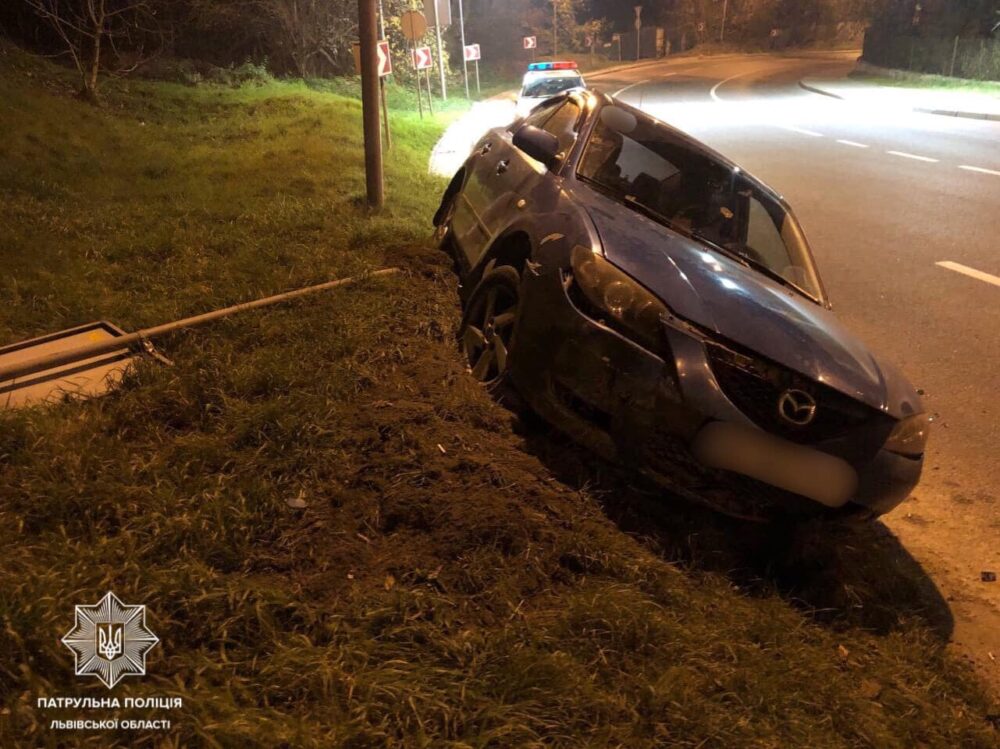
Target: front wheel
(487, 331)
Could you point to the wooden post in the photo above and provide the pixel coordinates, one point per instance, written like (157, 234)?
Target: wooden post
(368, 31)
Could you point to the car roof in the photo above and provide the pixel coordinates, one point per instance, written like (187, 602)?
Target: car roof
(537, 75)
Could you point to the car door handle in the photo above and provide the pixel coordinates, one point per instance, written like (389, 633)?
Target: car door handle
(503, 166)
(487, 147)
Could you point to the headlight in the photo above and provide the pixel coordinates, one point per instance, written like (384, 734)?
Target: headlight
(619, 302)
(910, 436)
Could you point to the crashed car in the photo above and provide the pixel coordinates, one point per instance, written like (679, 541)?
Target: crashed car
(658, 304)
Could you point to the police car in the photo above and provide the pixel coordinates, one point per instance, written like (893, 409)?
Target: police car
(545, 80)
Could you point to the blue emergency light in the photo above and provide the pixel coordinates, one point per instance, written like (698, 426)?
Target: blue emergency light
(536, 67)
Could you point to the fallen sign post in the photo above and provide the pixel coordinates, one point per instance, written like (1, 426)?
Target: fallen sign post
(473, 53)
(59, 359)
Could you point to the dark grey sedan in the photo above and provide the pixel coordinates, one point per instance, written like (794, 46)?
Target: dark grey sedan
(660, 305)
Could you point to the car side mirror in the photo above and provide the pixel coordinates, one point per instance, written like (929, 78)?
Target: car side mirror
(538, 144)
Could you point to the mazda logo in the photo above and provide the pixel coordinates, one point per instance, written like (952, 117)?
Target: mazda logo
(797, 407)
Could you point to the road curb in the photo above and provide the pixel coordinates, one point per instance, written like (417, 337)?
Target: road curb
(921, 110)
(821, 92)
(966, 115)
(631, 66)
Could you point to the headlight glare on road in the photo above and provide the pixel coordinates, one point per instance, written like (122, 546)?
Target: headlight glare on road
(621, 303)
(910, 436)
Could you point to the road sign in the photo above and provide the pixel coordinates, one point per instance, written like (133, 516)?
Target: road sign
(384, 58)
(441, 11)
(86, 377)
(472, 52)
(530, 42)
(422, 58)
(414, 25)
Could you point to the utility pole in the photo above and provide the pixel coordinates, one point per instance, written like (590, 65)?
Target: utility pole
(555, 28)
(725, 13)
(465, 63)
(638, 32)
(368, 31)
(437, 30)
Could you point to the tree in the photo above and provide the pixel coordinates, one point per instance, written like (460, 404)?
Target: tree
(87, 27)
(311, 29)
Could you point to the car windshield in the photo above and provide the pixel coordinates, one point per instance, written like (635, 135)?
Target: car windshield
(546, 87)
(645, 165)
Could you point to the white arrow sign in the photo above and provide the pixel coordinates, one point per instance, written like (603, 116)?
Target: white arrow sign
(530, 42)
(384, 60)
(472, 53)
(422, 58)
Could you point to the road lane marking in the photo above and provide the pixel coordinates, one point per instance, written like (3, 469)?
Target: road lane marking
(853, 144)
(980, 170)
(913, 156)
(621, 91)
(801, 131)
(714, 93)
(970, 272)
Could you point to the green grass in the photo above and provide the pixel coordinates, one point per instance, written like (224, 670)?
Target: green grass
(931, 82)
(450, 582)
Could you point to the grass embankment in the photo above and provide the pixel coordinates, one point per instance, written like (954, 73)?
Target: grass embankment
(440, 586)
(904, 79)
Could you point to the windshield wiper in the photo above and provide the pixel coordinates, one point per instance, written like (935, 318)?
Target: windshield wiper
(757, 265)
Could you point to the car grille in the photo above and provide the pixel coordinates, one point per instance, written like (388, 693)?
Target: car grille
(755, 386)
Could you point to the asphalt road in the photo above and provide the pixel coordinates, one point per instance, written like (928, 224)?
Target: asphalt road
(884, 196)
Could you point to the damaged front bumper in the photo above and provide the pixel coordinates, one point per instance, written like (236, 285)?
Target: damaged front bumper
(669, 418)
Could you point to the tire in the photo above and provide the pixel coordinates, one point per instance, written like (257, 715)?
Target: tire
(486, 335)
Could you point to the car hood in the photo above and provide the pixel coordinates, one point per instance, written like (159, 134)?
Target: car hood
(746, 307)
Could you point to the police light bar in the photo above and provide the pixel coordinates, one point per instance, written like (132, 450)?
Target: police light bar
(539, 66)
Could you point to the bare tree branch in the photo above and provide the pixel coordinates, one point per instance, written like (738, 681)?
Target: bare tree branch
(84, 26)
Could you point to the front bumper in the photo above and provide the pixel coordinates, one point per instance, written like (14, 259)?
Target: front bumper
(653, 415)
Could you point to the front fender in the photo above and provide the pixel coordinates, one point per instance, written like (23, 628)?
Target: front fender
(456, 186)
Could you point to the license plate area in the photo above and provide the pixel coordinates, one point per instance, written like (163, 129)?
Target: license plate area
(823, 478)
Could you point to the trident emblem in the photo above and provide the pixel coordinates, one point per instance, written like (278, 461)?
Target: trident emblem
(109, 640)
